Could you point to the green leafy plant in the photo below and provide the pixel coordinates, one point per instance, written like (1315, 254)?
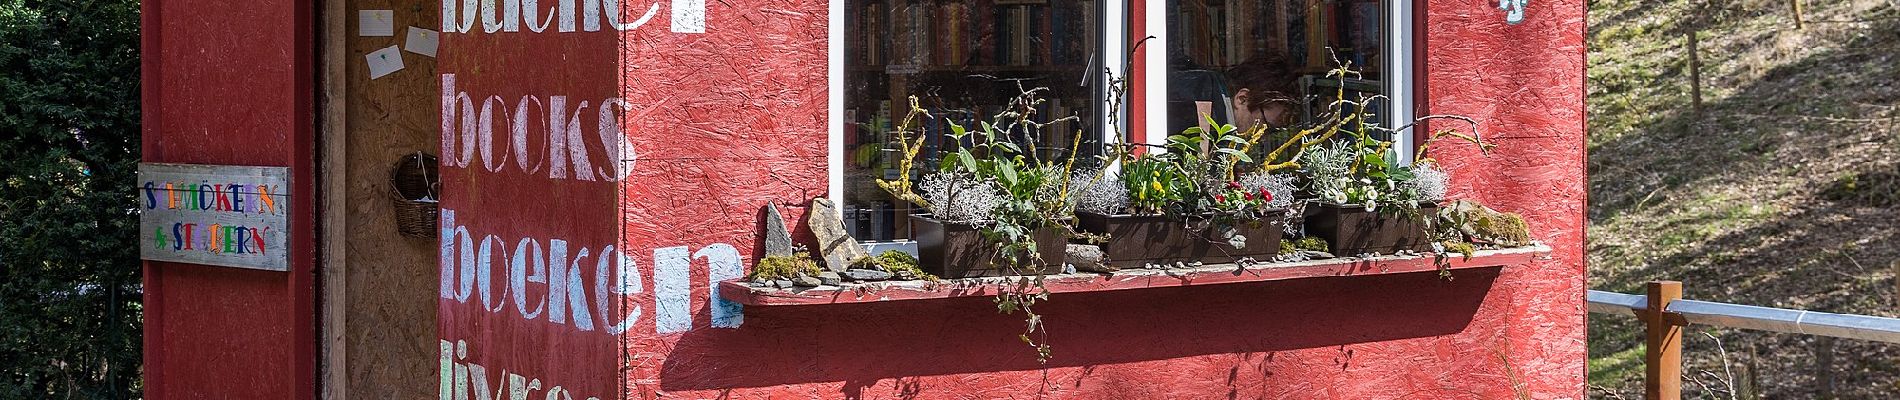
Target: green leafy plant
(1154, 186)
(1019, 193)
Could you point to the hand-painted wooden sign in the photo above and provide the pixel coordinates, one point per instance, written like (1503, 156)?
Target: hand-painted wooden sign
(232, 216)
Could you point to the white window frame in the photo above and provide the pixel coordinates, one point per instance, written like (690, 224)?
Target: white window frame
(1398, 79)
(1114, 36)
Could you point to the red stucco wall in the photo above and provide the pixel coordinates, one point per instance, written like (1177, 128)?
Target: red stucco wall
(733, 118)
(230, 83)
(724, 121)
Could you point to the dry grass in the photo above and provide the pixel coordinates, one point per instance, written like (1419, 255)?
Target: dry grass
(1736, 200)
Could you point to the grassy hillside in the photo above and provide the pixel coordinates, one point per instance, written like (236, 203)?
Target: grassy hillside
(1783, 191)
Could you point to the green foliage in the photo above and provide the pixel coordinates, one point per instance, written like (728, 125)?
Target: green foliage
(1868, 189)
(1154, 186)
(784, 267)
(69, 268)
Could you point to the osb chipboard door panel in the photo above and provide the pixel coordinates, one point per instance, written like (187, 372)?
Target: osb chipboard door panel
(1519, 72)
(390, 280)
(228, 83)
(603, 164)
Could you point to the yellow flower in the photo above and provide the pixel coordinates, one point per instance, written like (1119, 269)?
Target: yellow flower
(1158, 188)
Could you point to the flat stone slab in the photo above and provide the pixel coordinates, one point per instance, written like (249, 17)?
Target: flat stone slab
(837, 246)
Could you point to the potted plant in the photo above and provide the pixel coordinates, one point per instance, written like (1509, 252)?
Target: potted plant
(1365, 200)
(951, 239)
(1185, 204)
(1366, 204)
(995, 208)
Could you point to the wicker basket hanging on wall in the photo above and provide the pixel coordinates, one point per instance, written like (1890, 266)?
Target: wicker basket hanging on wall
(416, 186)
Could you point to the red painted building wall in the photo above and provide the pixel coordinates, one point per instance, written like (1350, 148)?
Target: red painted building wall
(730, 119)
(230, 83)
(648, 144)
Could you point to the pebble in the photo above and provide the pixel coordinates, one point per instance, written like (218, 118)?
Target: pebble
(829, 278)
(806, 281)
(1310, 254)
(866, 274)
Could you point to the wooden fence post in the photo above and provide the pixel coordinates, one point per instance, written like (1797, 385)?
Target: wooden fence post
(1662, 361)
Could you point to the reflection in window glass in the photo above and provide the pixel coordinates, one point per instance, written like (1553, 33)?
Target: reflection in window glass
(963, 60)
(1249, 62)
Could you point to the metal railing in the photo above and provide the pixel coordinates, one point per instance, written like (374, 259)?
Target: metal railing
(1664, 313)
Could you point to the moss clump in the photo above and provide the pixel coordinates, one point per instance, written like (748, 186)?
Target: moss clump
(900, 264)
(1504, 228)
(1454, 246)
(784, 267)
(1313, 244)
(1306, 243)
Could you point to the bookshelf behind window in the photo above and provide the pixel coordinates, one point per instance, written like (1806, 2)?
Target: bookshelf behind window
(964, 60)
(1238, 43)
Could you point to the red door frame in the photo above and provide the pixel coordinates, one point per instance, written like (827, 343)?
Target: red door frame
(221, 332)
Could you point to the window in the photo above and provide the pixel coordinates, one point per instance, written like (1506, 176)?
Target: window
(1239, 61)
(963, 60)
(1248, 62)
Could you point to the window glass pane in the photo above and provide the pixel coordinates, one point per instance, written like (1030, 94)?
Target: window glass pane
(1248, 62)
(963, 60)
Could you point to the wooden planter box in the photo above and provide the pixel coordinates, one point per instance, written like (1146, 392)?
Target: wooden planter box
(955, 250)
(1137, 240)
(1351, 230)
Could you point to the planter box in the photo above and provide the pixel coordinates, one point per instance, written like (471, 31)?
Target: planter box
(1137, 240)
(954, 250)
(1351, 230)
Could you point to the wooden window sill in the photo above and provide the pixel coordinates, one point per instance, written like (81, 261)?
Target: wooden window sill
(1129, 279)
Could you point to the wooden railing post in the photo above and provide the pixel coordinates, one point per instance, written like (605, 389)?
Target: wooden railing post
(1662, 361)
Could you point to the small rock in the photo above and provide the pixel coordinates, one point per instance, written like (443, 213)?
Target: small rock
(834, 243)
(1089, 258)
(829, 278)
(778, 239)
(1068, 268)
(806, 281)
(1314, 255)
(760, 282)
(866, 274)
(1180, 264)
(782, 284)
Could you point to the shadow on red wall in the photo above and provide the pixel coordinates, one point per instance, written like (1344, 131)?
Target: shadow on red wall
(860, 344)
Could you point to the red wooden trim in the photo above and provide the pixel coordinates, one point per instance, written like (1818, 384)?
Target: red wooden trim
(303, 271)
(1138, 65)
(1421, 98)
(743, 293)
(149, 137)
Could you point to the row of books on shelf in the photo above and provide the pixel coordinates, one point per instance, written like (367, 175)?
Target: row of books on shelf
(1308, 34)
(983, 32)
(874, 146)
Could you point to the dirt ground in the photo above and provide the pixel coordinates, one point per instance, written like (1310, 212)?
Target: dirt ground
(1781, 188)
